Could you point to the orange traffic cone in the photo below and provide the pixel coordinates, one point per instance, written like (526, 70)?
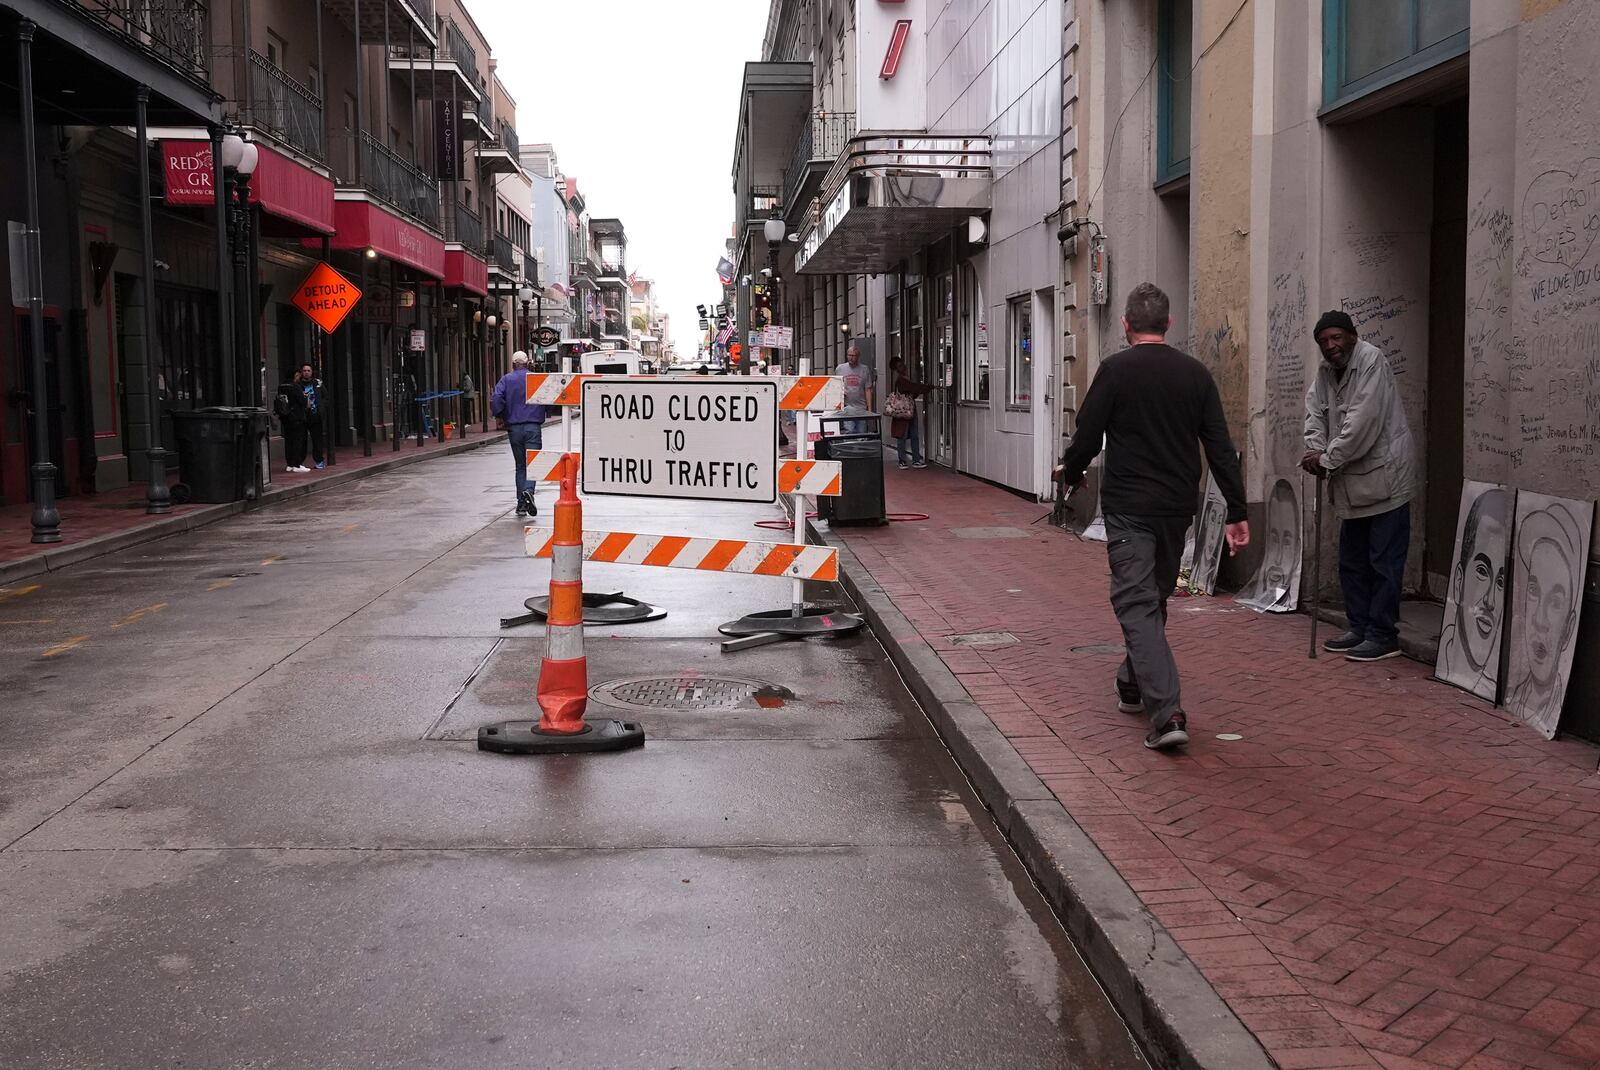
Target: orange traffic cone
(563, 689)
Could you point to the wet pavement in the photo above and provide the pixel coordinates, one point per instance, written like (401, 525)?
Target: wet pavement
(243, 822)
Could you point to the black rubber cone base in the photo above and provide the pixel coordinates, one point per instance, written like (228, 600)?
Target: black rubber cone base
(597, 609)
(816, 621)
(524, 737)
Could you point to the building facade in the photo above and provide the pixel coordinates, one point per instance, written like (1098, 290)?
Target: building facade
(978, 184)
(915, 155)
(379, 132)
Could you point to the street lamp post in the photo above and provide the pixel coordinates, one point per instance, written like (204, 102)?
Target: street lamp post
(239, 158)
(525, 295)
(46, 518)
(773, 230)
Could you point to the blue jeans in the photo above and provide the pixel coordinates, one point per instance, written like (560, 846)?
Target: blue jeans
(1372, 564)
(524, 437)
(914, 436)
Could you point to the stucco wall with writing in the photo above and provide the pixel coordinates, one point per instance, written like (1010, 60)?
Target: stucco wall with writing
(1552, 350)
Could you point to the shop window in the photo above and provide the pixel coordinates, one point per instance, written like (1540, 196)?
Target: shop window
(1368, 44)
(973, 379)
(1174, 47)
(1019, 370)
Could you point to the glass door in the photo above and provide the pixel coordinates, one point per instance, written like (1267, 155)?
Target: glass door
(941, 403)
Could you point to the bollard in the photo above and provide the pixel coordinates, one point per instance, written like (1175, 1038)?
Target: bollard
(563, 689)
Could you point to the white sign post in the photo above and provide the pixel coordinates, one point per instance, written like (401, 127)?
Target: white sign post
(707, 440)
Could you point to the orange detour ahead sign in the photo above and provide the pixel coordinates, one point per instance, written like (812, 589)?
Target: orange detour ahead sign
(327, 297)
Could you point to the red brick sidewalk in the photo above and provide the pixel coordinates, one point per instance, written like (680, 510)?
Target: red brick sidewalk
(90, 516)
(1384, 871)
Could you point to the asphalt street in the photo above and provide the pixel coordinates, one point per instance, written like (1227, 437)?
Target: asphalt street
(243, 821)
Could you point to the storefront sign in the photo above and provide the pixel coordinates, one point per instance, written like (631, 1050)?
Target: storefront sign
(190, 175)
(447, 141)
(419, 340)
(327, 297)
(545, 337)
(704, 440)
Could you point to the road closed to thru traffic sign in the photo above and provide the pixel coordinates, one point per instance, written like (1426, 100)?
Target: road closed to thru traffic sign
(703, 439)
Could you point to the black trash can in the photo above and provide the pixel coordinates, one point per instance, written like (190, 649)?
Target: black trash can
(860, 458)
(219, 450)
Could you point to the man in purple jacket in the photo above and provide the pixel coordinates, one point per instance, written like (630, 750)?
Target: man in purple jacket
(524, 422)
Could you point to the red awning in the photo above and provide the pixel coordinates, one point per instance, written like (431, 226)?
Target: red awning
(463, 269)
(362, 225)
(294, 199)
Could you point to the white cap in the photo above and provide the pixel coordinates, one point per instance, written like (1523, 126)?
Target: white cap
(518, 359)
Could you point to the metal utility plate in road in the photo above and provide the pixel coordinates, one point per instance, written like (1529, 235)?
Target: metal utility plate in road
(826, 691)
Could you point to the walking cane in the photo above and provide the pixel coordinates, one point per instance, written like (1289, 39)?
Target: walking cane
(1316, 563)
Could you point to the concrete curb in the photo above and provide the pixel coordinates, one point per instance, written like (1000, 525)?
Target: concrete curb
(100, 545)
(1173, 1012)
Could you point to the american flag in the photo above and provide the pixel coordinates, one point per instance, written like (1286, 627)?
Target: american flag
(724, 335)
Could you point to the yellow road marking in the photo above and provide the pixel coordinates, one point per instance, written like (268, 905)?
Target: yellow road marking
(63, 647)
(349, 528)
(42, 620)
(7, 593)
(218, 585)
(273, 560)
(140, 614)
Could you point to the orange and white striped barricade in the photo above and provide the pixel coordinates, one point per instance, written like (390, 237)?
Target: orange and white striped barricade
(798, 479)
(563, 689)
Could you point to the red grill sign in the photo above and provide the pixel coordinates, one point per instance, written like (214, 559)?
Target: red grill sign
(189, 172)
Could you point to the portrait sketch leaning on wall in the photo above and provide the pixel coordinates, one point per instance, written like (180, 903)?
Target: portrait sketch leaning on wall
(1275, 588)
(1475, 600)
(1208, 531)
(1551, 541)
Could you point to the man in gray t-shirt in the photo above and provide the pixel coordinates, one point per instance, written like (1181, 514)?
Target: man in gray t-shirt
(860, 388)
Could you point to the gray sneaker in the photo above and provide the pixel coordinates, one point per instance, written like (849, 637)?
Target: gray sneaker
(1128, 699)
(1173, 734)
(1342, 643)
(1372, 650)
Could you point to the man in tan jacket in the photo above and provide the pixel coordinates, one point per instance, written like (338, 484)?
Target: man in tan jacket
(1357, 436)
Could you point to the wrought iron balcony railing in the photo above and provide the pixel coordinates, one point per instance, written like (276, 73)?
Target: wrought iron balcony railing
(504, 254)
(454, 47)
(285, 108)
(463, 227)
(393, 179)
(822, 139)
(508, 138)
(173, 31)
(764, 200)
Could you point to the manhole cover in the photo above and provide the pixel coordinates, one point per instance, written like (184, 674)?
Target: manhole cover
(984, 639)
(688, 693)
(1100, 648)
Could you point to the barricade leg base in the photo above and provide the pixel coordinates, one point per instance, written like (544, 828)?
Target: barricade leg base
(815, 621)
(524, 737)
(615, 608)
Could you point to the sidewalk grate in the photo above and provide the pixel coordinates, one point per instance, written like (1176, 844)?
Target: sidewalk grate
(648, 693)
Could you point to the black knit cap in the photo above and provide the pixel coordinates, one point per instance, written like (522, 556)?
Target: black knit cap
(1336, 318)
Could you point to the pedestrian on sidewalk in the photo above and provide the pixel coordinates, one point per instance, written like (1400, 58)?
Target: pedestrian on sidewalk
(1357, 437)
(525, 424)
(300, 405)
(1153, 407)
(901, 408)
(860, 388)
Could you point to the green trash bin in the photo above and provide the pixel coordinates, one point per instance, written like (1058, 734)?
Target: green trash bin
(217, 451)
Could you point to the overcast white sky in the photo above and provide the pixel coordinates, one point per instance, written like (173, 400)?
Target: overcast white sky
(640, 99)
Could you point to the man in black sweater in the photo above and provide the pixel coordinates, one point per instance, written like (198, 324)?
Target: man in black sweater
(1153, 407)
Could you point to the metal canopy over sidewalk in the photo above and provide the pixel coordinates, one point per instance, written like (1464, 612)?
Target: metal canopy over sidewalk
(891, 193)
